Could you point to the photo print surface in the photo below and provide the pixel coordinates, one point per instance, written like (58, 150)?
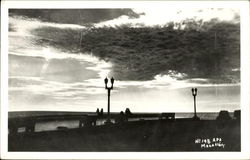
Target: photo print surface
(124, 79)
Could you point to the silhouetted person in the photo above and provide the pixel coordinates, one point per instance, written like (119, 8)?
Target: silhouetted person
(237, 115)
(101, 112)
(223, 115)
(127, 111)
(121, 118)
(97, 112)
(127, 114)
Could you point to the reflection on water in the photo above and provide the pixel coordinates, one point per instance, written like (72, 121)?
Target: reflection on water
(65, 124)
(53, 125)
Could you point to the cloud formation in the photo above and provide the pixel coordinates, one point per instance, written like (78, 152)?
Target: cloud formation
(45, 78)
(161, 16)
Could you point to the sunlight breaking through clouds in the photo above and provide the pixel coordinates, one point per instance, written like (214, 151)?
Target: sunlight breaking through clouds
(45, 78)
(161, 16)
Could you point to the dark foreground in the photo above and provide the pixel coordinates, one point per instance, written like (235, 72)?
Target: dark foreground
(154, 135)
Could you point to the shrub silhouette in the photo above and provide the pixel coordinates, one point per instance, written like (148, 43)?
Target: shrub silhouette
(223, 115)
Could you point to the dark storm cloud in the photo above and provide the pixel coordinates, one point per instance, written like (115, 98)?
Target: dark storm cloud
(74, 16)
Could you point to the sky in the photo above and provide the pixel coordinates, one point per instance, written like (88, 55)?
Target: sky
(161, 16)
(45, 78)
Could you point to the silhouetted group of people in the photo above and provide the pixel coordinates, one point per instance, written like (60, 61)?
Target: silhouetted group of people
(88, 121)
(99, 112)
(123, 117)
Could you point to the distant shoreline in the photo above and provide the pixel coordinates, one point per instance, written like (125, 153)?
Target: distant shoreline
(21, 114)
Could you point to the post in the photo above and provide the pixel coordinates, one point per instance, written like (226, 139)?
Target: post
(108, 103)
(109, 90)
(194, 93)
(195, 115)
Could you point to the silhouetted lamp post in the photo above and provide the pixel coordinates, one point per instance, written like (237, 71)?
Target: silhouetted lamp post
(109, 89)
(194, 93)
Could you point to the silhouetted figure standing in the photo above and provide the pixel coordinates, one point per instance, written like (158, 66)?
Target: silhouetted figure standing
(127, 111)
(101, 112)
(97, 112)
(121, 118)
(127, 114)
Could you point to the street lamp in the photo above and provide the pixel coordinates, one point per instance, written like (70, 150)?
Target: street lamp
(109, 89)
(194, 93)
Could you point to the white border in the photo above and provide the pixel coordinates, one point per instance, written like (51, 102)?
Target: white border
(245, 59)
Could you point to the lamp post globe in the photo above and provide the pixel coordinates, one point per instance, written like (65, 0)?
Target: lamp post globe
(112, 80)
(106, 82)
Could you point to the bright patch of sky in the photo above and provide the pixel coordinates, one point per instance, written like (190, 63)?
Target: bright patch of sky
(161, 16)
